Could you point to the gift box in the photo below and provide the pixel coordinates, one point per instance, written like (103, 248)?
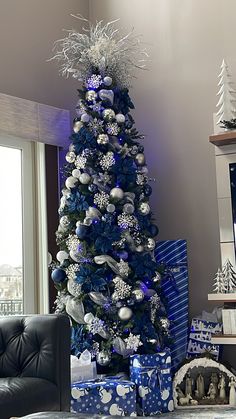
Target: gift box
(200, 335)
(173, 255)
(152, 375)
(82, 368)
(107, 397)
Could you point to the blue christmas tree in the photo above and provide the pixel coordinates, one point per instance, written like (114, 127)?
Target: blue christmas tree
(108, 281)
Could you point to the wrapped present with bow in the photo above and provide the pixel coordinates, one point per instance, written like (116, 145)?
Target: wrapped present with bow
(172, 255)
(152, 375)
(108, 396)
(82, 368)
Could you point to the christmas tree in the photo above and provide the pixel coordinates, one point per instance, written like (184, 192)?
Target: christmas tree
(219, 282)
(226, 93)
(108, 281)
(229, 276)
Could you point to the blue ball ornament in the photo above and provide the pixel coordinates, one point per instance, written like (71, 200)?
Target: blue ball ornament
(58, 275)
(153, 229)
(147, 190)
(81, 231)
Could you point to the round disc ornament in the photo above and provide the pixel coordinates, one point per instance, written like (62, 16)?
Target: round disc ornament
(120, 118)
(77, 126)
(103, 358)
(70, 157)
(71, 182)
(62, 255)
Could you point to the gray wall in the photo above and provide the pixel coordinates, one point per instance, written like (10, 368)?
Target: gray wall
(28, 29)
(174, 100)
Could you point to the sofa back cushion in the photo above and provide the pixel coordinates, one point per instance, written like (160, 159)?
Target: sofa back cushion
(30, 346)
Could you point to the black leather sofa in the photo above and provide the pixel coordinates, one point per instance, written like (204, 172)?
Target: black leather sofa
(34, 364)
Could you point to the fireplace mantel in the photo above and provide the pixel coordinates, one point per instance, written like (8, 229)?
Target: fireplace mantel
(223, 138)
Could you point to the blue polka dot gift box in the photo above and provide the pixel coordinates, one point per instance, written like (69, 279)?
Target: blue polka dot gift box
(107, 397)
(152, 375)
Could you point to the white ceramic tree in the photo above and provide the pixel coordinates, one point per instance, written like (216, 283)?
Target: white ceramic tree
(229, 276)
(219, 282)
(226, 92)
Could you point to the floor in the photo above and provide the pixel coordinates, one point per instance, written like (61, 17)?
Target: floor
(203, 413)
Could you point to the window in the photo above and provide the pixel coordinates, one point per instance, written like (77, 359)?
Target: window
(17, 232)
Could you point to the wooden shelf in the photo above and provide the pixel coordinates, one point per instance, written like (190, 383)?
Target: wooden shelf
(223, 138)
(230, 297)
(224, 339)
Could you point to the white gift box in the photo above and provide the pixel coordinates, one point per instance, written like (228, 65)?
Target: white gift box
(82, 368)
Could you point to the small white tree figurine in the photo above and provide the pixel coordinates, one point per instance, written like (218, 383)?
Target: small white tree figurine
(226, 101)
(219, 282)
(229, 276)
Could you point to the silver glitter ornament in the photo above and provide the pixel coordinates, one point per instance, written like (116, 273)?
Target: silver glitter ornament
(64, 221)
(84, 178)
(107, 81)
(125, 313)
(144, 208)
(103, 358)
(128, 208)
(108, 114)
(102, 139)
(91, 95)
(150, 244)
(71, 182)
(70, 157)
(140, 159)
(117, 193)
(77, 126)
(120, 118)
(165, 323)
(111, 208)
(138, 295)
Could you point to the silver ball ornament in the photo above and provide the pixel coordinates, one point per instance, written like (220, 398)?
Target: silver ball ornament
(125, 313)
(117, 193)
(138, 295)
(144, 208)
(120, 118)
(85, 117)
(103, 358)
(88, 318)
(70, 157)
(71, 182)
(140, 159)
(108, 114)
(107, 81)
(77, 126)
(76, 173)
(150, 244)
(84, 178)
(111, 208)
(61, 256)
(91, 95)
(102, 139)
(128, 208)
(93, 213)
